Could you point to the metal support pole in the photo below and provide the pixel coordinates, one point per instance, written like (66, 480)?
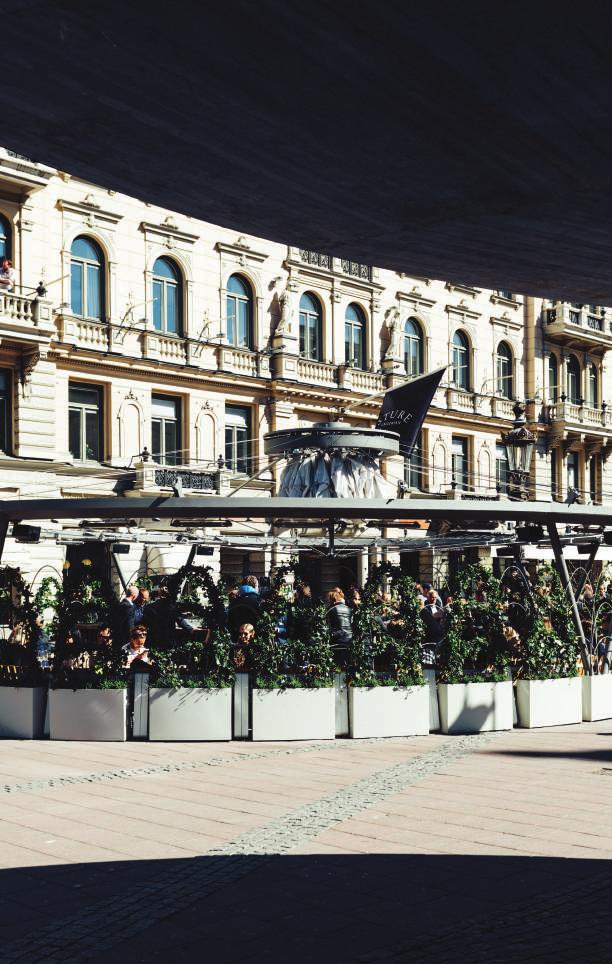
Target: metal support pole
(567, 586)
(4, 524)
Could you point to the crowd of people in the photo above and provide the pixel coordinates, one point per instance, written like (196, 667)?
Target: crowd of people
(142, 626)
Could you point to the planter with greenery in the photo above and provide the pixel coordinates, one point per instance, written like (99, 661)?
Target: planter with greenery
(473, 660)
(23, 682)
(293, 697)
(190, 697)
(549, 690)
(387, 691)
(88, 694)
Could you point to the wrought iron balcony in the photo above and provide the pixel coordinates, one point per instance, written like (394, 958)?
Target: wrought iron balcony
(581, 327)
(339, 265)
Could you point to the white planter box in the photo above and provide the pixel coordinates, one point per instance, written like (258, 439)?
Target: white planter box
(549, 702)
(87, 714)
(475, 707)
(597, 697)
(190, 714)
(385, 711)
(294, 714)
(22, 712)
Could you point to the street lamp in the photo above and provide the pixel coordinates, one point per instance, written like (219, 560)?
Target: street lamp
(520, 443)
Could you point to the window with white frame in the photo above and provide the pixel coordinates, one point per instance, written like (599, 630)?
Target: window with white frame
(85, 439)
(166, 430)
(238, 438)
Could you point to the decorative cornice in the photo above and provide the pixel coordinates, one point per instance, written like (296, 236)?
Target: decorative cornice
(241, 251)
(167, 229)
(90, 211)
(463, 311)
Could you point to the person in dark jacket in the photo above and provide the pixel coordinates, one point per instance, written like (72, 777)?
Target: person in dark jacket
(340, 622)
(244, 607)
(126, 615)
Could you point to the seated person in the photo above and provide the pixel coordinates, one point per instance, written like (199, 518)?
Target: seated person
(136, 648)
(340, 622)
(73, 653)
(245, 607)
(240, 650)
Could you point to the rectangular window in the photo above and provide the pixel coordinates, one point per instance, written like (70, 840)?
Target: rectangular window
(166, 430)
(238, 438)
(85, 437)
(5, 411)
(460, 462)
(554, 485)
(414, 467)
(572, 470)
(501, 468)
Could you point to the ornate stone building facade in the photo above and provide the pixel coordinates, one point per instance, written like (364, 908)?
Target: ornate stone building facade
(140, 346)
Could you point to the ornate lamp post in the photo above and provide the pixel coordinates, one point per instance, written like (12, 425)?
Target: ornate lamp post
(520, 443)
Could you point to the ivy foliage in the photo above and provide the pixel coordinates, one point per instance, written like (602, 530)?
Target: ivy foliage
(84, 607)
(18, 663)
(387, 635)
(549, 648)
(196, 663)
(303, 657)
(476, 647)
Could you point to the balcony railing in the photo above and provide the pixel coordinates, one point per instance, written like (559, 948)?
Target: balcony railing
(341, 265)
(316, 259)
(569, 323)
(357, 270)
(579, 415)
(316, 372)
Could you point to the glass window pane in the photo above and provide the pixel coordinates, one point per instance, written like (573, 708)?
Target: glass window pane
(156, 443)
(243, 324)
(84, 395)
(228, 447)
(74, 433)
(172, 309)
(92, 436)
(231, 320)
(86, 249)
(76, 288)
(157, 305)
(164, 407)
(171, 443)
(94, 301)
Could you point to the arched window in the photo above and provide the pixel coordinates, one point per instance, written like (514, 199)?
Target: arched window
(239, 312)
(573, 380)
(504, 375)
(86, 278)
(355, 337)
(592, 393)
(167, 297)
(553, 379)
(311, 327)
(461, 361)
(413, 347)
(6, 246)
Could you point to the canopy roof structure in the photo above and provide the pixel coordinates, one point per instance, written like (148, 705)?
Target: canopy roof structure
(466, 142)
(391, 511)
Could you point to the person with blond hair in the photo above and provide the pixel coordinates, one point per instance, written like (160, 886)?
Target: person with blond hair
(340, 621)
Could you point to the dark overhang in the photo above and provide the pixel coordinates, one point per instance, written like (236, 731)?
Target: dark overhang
(392, 512)
(469, 142)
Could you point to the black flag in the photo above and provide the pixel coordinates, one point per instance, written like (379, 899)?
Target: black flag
(404, 408)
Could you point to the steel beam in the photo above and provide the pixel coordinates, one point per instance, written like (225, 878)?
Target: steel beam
(389, 511)
(567, 585)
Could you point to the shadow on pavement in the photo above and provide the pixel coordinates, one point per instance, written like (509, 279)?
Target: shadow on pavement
(321, 908)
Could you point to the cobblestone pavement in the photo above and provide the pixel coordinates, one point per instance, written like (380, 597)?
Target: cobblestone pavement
(492, 848)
